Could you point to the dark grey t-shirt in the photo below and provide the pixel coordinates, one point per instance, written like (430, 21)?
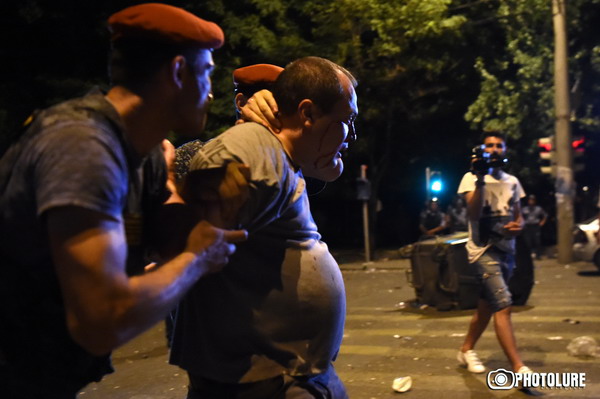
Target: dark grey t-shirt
(533, 215)
(73, 154)
(278, 307)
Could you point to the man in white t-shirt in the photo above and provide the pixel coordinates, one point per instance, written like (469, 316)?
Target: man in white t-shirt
(494, 219)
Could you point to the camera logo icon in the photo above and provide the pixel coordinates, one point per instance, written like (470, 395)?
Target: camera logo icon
(500, 379)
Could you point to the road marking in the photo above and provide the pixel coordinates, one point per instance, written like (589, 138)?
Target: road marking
(424, 333)
(422, 318)
(552, 360)
(364, 350)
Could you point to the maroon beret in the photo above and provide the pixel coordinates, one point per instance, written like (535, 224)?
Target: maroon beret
(254, 74)
(165, 23)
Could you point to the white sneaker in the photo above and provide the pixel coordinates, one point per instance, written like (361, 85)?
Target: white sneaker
(471, 361)
(524, 370)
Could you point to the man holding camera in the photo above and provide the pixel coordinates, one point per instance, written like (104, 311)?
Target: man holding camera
(494, 218)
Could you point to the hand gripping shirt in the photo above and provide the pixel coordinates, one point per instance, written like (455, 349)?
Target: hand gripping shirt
(500, 197)
(278, 307)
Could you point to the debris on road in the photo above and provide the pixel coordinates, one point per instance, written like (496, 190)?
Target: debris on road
(583, 346)
(402, 384)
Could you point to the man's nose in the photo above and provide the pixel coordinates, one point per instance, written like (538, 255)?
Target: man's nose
(351, 134)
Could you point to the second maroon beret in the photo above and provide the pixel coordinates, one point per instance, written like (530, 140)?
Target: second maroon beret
(254, 74)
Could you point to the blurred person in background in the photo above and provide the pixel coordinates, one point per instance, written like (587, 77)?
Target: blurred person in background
(432, 221)
(457, 215)
(535, 218)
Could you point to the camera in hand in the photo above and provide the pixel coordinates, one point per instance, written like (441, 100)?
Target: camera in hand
(482, 161)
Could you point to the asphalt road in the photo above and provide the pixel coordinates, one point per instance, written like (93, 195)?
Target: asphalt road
(387, 337)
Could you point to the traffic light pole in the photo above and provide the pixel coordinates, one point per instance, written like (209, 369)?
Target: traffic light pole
(365, 209)
(427, 182)
(564, 185)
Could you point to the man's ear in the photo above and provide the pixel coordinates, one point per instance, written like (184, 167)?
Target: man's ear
(308, 112)
(178, 69)
(240, 101)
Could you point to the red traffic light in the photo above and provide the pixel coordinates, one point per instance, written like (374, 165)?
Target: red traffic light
(578, 145)
(545, 144)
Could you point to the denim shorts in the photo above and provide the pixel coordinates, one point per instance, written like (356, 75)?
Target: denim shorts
(495, 268)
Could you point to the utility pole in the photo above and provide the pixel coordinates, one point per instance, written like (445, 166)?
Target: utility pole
(564, 185)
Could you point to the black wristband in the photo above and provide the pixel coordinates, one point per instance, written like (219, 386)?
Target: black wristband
(479, 183)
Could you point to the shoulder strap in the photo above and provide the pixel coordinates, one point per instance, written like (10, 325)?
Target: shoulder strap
(14, 151)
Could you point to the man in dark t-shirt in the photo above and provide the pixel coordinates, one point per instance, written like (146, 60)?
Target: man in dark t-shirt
(270, 325)
(78, 192)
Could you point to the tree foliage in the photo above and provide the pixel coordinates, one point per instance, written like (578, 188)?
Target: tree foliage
(515, 96)
(410, 60)
(432, 75)
(517, 82)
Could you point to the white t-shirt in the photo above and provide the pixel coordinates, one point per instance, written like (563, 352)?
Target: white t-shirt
(500, 197)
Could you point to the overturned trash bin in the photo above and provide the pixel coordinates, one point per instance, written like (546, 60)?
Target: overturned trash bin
(441, 274)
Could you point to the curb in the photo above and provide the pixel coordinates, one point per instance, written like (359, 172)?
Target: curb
(383, 264)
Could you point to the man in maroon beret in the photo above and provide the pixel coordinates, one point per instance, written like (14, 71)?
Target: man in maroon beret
(81, 190)
(246, 81)
(250, 79)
